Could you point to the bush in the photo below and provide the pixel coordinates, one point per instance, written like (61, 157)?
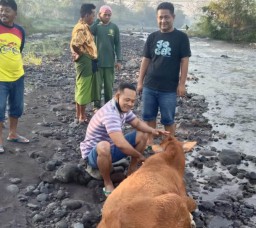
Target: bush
(228, 20)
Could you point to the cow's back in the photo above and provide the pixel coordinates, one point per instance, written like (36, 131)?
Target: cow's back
(164, 211)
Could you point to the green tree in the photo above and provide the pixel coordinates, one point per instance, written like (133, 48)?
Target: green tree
(229, 20)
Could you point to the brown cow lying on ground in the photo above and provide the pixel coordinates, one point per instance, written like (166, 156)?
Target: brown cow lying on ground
(154, 196)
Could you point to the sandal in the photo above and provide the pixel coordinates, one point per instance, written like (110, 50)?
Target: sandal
(19, 139)
(95, 110)
(106, 192)
(85, 121)
(148, 147)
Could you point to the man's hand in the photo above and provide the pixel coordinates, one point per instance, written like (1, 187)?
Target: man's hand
(142, 158)
(75, 56)
(118, 66)
(157, 132)
(181, 90)
(139, 88)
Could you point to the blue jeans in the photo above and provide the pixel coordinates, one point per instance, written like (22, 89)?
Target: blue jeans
(116, 154)
(13, 92)
(152, 100)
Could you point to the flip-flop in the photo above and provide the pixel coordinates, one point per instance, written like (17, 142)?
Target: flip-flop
(85, 121)
(19, 139)
(148, 148)
(106, 192)
(1, 149)
(95, 110)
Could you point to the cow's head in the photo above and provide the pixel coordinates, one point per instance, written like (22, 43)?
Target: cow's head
(174, 150)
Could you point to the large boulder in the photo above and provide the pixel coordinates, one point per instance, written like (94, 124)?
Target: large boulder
(69, 173)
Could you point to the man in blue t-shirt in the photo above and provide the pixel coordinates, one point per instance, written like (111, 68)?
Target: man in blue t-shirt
(163, 70)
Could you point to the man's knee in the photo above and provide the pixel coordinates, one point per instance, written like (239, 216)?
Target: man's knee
(103, 149)
(141, 137)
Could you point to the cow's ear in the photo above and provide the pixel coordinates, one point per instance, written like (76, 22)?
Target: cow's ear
(188, 146)
(157, 148)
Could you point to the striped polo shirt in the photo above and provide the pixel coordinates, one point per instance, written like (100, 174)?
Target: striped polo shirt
(106, 120)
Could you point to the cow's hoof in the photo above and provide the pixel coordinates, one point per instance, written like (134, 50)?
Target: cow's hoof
(193, 224)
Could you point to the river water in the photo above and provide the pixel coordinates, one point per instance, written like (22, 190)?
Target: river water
(227, 79)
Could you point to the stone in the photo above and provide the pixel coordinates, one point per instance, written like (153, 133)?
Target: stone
(72, 204)
(229, 157)
(14, 189)
(78, 225)
(15, 180)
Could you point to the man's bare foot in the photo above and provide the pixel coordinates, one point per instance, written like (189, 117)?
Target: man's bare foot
(85, 121)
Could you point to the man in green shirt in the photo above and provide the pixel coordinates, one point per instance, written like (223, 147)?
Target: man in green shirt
(107, 39)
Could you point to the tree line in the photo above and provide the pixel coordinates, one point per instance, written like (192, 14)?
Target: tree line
(220, 19)
(233, 20)
(37, 16)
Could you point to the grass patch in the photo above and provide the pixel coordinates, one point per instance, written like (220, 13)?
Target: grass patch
(37, 49)
(31, 59)
(52, 26)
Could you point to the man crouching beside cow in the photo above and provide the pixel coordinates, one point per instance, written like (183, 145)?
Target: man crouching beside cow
(105, 142)
(154, 195)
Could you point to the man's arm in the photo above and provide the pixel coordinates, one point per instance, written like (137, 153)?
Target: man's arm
(120, 142)
(75, 53)
(78, 39)
(142, 126)
(117, 47)
(183, 76)
(77, 42)
(23, 38)
(143, 69)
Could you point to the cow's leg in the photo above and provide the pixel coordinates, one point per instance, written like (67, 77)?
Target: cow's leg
(171, 211)
(193, 224)
(191, 204)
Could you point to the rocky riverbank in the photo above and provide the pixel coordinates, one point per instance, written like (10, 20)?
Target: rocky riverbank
(43, 184)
